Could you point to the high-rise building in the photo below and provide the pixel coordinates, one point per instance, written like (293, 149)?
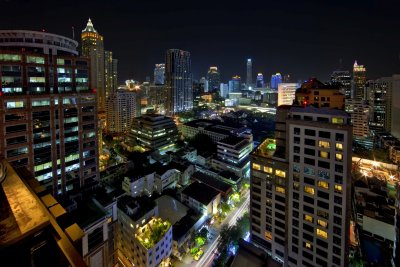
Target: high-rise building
(260, 80)
(287, 93)
(159, 74)
(224, 90)
(178, 81)
(122, 107)
(213, 78)
(342, 78)
(110, 72)
(249, 73)
(317, 94)
(276, 79)
(49, 122)
(359, 111)
(359, 81)
(300, 193)
(93, 48)
(235, 84)
(395, 121)
(204, 83)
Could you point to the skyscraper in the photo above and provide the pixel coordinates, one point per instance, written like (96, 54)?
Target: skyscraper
(234, 84)
(178, 81)
(300, 192)
(249, 77)
(110, 73)
(93, 47)
(276, 79)
(359, 81)
(159, 74)
(204, 82)
(342, 78)
(260, 80)
(214, 78)
(49, 122)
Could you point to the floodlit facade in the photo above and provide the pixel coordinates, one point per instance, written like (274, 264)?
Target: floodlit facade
(235, 84)
(178, 81)
(48, 110)
(249, 73)
(359, 81)
(276, 79)
(287, 93)
(359, 111)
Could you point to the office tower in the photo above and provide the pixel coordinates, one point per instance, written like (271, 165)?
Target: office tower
(159, 73)
(224, 90)
(379, 96)
(213, 78)
(342, 78)
(276, 79)
(359, 81)
(395, 121)
(156, 97)
(318, 94)
(235, 84)
(300, 193)
(260, 80)
(110, 73)
(93, 48)
(204, 83)
(122, 107)
(49, 121)
(287, 93)
(249, 73)
(178, 81)
(154, 132)
(359, 111)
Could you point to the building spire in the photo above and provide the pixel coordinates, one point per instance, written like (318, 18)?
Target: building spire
(89, 27)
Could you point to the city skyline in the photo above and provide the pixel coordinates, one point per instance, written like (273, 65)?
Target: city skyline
(141, 34)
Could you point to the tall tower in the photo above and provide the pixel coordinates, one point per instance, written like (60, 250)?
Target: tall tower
(110, 73)
(359, 81)
(249, 77)
(276, 79)
(260, 80)
(93, 47)
(214, 78)
(178, 81)
(159, 74)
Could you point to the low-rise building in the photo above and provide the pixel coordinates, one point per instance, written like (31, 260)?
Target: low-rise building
(202, 198)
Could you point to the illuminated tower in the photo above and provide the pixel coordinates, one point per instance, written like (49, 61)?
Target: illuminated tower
(110, 73)
(276, 79)
(260, 81)
(213, 77)
(93, 47)
(249, 79)
(359, 80)
(178, 81)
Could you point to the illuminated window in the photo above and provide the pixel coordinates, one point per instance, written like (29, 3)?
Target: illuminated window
(338, 188)
(322, 223)
(337, 120)
(268, 235)
(339, 157)
(308, 218)
(324, 144)
(37, 60)
(339, 146)
(323, 184)
(309, 190)
(10, 57)
(256, 166)
(322, 233)
(60, 61)
(307, 245)
(280, 189)
(324, 154)
(296, 185)
(280, 173)
(267, 169)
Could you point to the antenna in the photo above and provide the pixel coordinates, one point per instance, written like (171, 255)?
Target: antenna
(73, 33)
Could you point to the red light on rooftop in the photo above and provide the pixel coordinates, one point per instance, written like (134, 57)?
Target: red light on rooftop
(1, 93)
(94, 90)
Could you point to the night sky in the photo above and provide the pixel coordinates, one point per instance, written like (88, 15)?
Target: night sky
(302, 38)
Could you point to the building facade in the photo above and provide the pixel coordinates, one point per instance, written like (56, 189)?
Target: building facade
(342, 78)
(287, 93)
(178, 81)
(359, 111)
(249, 73)
(159, 74)
(214, 78)
(48, 110)
(359, 81)
(110, 73)
(235, 84)
(260, 80)
(276, 79)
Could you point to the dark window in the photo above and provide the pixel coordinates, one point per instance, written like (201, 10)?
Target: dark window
(309, 181)
(321, 262)
(336, 260)
(308, 209)
(308, 237)
(324, 134)
(309, 132)
(309, 200)
(308, 255)
(309, 161)
(322, 253)
(308, 228)
(309, 142)
(308, 118)
(322, 243)
(339, 137)
(323, 164)
(323, 195)
(294, 261)
(323, 204)
(295, 249)
(309, 151)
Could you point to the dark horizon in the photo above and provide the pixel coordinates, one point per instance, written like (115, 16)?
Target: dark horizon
(307, 39)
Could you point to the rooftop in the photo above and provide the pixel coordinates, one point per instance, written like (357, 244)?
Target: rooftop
(152, 232)
(322, 111)
(171, 209)
(200, 192)
(232, 140)
(182, 226)
(143, 205)
(210, 181)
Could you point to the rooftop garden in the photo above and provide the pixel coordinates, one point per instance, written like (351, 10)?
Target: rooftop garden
(267, 147)
(152, 232)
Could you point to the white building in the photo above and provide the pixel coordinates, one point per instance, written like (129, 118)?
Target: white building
(359, 111)
(286, 93)
(201, 198)
(122, 107)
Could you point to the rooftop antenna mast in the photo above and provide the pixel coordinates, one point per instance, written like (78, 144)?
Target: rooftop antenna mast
(73, 33)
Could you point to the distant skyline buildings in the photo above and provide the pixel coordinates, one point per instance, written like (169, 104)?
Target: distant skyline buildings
(235, 84)
(260, 80)
(343, 79)
(178, 81)
(214, 78)
(359, 81)
(249, 72)
(276, 79)
(159, 74)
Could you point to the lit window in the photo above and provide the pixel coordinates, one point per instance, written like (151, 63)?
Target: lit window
(296, 185)
(339, 157)
(268, 235)
(338, 188)
(322, 233)
(37, 60)
(324, 154)
(323, 184)
(337, 120)
(267, 169)
(280, 173)
(256, 166)
(309, 190)
(322, 223)
(307, 245)
(339, 146)
(308, 218)
(324, 144)
(280, 189)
